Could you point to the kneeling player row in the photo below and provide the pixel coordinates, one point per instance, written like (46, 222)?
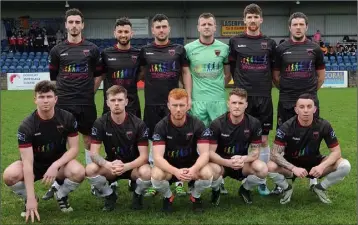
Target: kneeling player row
(183, 149)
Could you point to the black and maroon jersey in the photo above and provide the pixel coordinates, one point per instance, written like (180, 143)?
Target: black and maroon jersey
(252, 58)
(121, 67)
(304, 142)
(297, 63)
(181, 142)
(163, 64)
(234, 139)
(48, 138)
(120, 141)
(73, 67)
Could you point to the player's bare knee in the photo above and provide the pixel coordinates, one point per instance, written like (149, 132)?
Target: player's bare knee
(206, 173)
(12, 176)
(272, 167)
(76, 172)
(260, 168)
(157, 174)
(144, 172)
(216, 170)
(92, 170)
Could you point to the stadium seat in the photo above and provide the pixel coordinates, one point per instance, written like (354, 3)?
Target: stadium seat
(349, 67)
(353, 59)
(24, 54)
(332, 59)
(4, 69)
(36, 62)
(33, 69)
(19, 69)
(43, 62)
(3, 57)
(45, 54)
(11, 69)
(342, 67)
(339, 59)
(354, 67)
(334, 67)
(26, 69)
(38, 54)
(328, 67)
(47, 69)
(10, 55)
(346, 58)
(40, 68)
(17, 55)
(326, 59)
(32, 53)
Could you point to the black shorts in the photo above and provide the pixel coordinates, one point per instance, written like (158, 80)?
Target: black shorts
(306, 163)
(235, 174)
(262, 109)
(40, 170)
(286, 110)
(84, 114)
(153, 114)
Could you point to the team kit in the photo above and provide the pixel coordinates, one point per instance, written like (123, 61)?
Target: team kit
(194, 134)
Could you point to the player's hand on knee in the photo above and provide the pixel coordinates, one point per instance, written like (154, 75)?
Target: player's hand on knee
(193, 173)
(299, 172)
(31, 210)
(50, 175)
(317, 171)
(237, 162)
(182, 174)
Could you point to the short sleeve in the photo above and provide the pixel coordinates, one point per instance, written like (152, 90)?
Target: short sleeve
(24, 136)
(280, 137)
(215, 131)
(72, 126)
(277, 59)
(232, 52)
(330, 136)
(159, 134)
(97, 62)
(183, 58)
(201, 132)
(319, 58)
(256, 137)
(54, 63)
(97, 132)
(142, 134)
(142, 61)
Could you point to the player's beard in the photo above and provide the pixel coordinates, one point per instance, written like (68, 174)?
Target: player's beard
(123, 42)
(162, 39)
(253, 27)
(296, 38)
(74, 33)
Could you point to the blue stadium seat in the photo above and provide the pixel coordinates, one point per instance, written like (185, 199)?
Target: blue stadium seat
(47, 69)
(11, 69)
(339, 59)
(33, 69)
(342, 67)
(26, 69)
(328, 67)
(334, 67)
(353, 59)
(332, 59)
(43, 62)
(354, 67)
(40, 68)
(38, 53)
(45, 54)
(17, 55)
(25, 54)
(346, 58)
(19, 69)
(10, 55)
(28, 62)
(349, 67)
(326, 59)
(3, 57)
(32, 53)
(4, 69)
(36, 62)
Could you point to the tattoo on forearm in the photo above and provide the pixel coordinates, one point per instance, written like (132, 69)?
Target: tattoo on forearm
(253, 149)
(99, 160)
(277, 157)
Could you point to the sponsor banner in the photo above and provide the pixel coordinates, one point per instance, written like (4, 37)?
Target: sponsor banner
(232, 27)
(336, 79)
(25, 81)
(333, 79)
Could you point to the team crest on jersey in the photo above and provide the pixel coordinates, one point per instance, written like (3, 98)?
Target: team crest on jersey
(134, 58)
(217, 52)
(247, 133)
(309, 51)
(60, 128)
(189, 135)
(171, 52)
(315, 135)
(264, 45)
(129, 135)
(86, 52)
